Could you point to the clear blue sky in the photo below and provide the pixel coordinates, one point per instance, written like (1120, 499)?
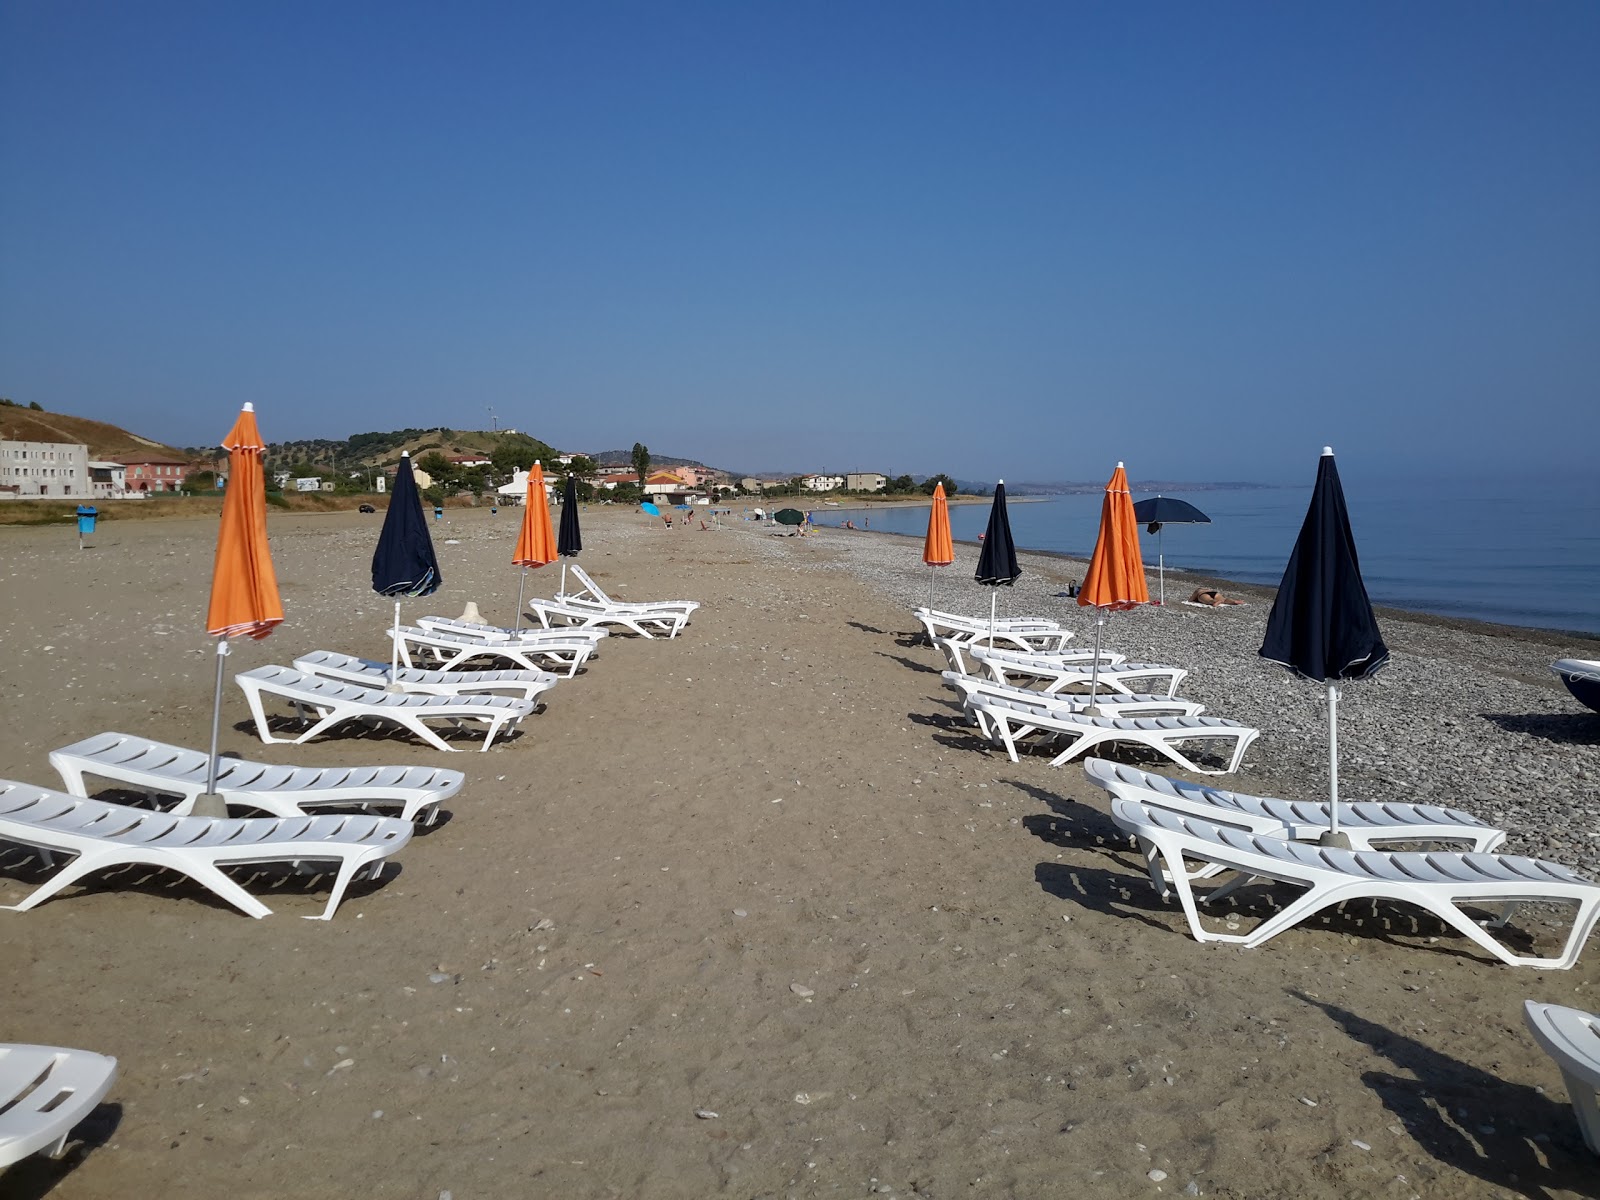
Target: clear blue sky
(997, 239)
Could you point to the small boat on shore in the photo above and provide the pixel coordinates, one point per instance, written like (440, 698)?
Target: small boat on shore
(1582, 677)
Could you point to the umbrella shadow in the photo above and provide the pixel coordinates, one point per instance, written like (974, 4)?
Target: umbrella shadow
(263, 880)
(910, 663)
(37, 1176)
(1570, 729)
(865, 628)
(1528, 1143)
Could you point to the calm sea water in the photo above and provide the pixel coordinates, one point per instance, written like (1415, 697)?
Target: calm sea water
(1519, 553)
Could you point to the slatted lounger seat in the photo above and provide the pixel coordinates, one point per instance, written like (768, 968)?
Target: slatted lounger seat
(159, 769)
(524, 685)
(103, 835)
(1437, 881)
(45, 1091)
(501, 633)
(555, 614)
(1010, 721)
(1021, 633)
(1053, 675)
(562, 654)
(590, 594)
(1571, 1037)
(1116, 704)
(335, 703)
(962, 659)
(1370, 825)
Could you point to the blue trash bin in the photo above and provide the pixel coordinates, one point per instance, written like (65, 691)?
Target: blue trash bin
(86, 515)
(438, 512)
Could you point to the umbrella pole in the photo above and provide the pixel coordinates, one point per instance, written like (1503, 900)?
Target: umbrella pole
(1333, 837)
(994, 596)
(521, 583)
(210, 804)
(563, 592)
(1161, 568)
(1094, 671)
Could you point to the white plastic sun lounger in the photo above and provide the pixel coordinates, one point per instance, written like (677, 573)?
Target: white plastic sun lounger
(45, 1091)
(1370, 825)
(524, 685)
(500, 633)
(1572, 1038)
(591, 594)
(159, 769)
(1021, 633)
(555, 614)
(105, 835)
(1436, 881)
(1010, 721)
(335, 703)
(564, 655)
(1116, 704)
(957, 653)
(1054, 675)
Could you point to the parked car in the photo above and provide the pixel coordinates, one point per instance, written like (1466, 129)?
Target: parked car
(367, 508)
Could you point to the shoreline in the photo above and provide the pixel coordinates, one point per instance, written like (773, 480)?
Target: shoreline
(1267, 592)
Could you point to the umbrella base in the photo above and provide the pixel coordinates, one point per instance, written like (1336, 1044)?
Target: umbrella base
(1336, 841)
(208, 804)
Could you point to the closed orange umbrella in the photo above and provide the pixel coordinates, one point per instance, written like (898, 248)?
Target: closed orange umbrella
(536, 541)
(937, 549)
(244, 587)
(1115, 579)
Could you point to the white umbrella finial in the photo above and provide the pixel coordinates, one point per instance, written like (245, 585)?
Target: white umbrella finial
(1002, 481)
(405, 454)
(1119, 467)
(249, 407)
(1327, 452)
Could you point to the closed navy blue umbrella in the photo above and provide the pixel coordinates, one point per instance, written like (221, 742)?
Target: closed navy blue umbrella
(404, 563)
(997, 561)
(569, 542)
(1322, 626)
(1166, 510)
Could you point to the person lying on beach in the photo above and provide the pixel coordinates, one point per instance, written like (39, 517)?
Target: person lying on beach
(1212, 597)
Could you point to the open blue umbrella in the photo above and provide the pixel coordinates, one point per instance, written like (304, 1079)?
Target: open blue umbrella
(997, 561)
(652, 509)
(1322, 626)
(404, 563)
(1166, 510)
(569, 542)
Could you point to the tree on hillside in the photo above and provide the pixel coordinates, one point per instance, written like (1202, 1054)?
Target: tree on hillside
(932, 482)
(581, 465)
(901, 484)
(442, 470)
(641, 462)
(518, 452)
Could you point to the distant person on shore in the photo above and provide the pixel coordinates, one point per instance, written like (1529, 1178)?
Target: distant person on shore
(1210, 596)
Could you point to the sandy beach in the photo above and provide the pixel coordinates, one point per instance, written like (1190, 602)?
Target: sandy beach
(754, 913)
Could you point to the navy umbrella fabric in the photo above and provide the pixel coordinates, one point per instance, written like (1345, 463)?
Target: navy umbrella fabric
(404, 563)
(1322, 626)
(1166, 510)
(569, 542)
(997, 561)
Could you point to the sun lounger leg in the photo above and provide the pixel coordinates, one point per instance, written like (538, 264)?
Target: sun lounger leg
(347, 872)
(210, 876)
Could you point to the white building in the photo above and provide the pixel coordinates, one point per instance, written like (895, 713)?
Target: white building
(821, 483)
(33, 469)
(865, 481)
(108, 480)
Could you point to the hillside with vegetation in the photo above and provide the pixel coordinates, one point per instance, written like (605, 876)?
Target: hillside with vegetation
(30, 423)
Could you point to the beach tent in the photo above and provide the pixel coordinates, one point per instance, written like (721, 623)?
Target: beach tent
(403, 563)
(1115, 579)
(997, 561)
(1322, 626)
(244, 586)
(1166, 510)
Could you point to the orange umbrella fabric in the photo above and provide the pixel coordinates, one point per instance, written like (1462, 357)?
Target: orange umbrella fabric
(1115, 579)
(937, 550)
(536, 543)
(244, 587)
